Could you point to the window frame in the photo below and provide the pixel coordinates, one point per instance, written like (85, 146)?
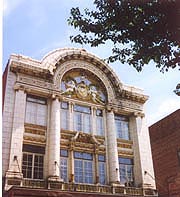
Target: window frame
(121, 131)
(100, 129)
(80, 118)
(102, 161)
(126, 163)
(36, 101)
(64, 156)
(64, 115)
(32, 165)
(84, 159)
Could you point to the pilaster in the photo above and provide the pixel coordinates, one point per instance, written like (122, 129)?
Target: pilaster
(142, 152)
(15, 159)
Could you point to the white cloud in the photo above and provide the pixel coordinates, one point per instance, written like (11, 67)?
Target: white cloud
(165, 108)
(10, 5)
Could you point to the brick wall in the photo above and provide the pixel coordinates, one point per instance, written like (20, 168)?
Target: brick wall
(165, 143)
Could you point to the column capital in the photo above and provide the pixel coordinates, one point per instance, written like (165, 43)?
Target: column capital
(139, 114)
(18, 87)
(55, 97)
(109, 108)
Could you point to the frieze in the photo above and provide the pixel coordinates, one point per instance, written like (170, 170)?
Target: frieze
(34, 139)
(122, 145)
(125, 153)
(35, 129)
(85, 138)
(35, 82)
(119, 140)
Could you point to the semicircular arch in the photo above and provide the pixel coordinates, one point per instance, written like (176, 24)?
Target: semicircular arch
(79, 64)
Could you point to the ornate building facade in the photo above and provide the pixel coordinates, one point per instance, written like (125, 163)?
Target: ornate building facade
(70, 127)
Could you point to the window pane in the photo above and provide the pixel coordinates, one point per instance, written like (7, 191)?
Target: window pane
(126, 170)
(82, 109)
(87, 156)
(99, 125)
(99, 112)
(64, 105)
(78, 155)
(102, 173)
(64, 119)
(78, 171)
(83, 167)
(36, 111)
(125, 160)
(101, 158)
(64, 168)
(64, 153)
(122, 127)
(27, 165)
(87, 123)
(88, 172)
(78, 121)
(38, 167)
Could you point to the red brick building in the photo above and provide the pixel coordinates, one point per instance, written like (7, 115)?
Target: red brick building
(165, 144)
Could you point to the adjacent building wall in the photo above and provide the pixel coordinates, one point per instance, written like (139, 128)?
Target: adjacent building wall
(165, 143)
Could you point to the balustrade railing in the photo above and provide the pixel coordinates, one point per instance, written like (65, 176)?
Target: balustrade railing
(90, 188)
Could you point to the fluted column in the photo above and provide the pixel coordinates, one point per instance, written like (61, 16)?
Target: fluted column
(15, 159)
(54, 141)
(112, 149)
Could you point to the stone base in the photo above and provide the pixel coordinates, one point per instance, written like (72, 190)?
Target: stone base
(54, 182)
(13, 179)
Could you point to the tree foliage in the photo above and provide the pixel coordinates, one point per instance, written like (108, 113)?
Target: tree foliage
(140, 30)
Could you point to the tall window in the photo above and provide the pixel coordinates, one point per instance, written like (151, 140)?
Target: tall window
(64, 165)
(82, 118)
(122, 127)
(102, 169)
(83, 167)
(64, 115)
(126, 170)
(99, 122)
(33, 162)
(36, 110)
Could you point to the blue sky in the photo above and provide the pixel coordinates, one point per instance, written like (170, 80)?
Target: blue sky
(35, 27)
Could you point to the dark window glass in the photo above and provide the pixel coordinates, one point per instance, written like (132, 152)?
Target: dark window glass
(80, 155)
(64, 153)
(64, 105)
(125, 160)
(99, 112)
(83, 109)
(101, 158)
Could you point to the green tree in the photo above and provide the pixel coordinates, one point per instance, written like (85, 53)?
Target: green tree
(140, 30)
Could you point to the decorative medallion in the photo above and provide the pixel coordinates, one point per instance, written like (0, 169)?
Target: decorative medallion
(77, 85)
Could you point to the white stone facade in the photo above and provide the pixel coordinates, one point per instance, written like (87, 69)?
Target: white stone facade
(46, 79)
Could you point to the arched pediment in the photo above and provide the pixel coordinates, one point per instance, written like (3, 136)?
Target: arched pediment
(60, 61)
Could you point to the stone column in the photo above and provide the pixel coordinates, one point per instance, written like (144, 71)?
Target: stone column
(142, 152)
(112, 149)
(15, 159)
(54, 142)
